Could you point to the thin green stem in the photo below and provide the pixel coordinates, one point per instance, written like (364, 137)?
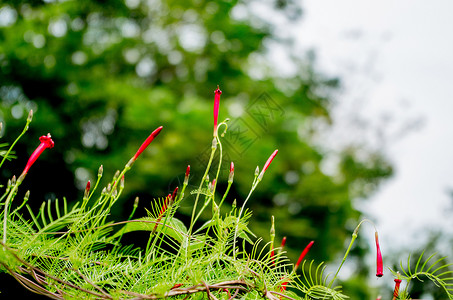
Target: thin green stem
(11, 195)
(14, 143)
(255, 183)
(354, 236)
(213, 149)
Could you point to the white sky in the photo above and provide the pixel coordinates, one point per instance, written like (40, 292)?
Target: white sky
(396, 62)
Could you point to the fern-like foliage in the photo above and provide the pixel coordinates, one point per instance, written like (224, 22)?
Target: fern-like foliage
(314, 283)
(437, 270)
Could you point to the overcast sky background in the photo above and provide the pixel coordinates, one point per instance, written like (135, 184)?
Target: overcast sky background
(395, 59)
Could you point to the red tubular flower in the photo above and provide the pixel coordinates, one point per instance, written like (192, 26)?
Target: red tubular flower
(175, 193)
(302, 255)
(283, 242)
(379, 263)
(147, 142)
(46, 142)
(283, 288)
(397, 288)
(266, 165)
(217, 92)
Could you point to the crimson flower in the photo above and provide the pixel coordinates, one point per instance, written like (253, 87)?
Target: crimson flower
(46, 143)
(302, 255)
(217, 92)
(379, 263)
(186, 177)
(147, 142)
(266, 165)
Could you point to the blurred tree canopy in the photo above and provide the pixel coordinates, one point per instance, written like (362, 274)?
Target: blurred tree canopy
(101, 75)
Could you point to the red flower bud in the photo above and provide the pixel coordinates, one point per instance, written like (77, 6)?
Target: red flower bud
(283, 242)
(147, 142)
(379, 263)
(302, 255)
(397, 288)
(266, 165)
(175, 193)
(46, 142)
(186, 177)
(217, 92)
(231, 175)
(87, 189)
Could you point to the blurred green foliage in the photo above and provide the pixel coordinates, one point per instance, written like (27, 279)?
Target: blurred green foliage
(101, 75)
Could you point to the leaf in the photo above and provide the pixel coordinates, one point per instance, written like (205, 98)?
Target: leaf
(173, 227)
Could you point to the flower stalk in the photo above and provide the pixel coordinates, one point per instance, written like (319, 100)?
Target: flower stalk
(46, 143)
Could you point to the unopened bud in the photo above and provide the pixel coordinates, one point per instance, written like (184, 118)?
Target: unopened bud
(104, 191)
(231, 175)
(213, 186)
(13, 180)
(117, 174)
(266, 165)
(214, 143)
(30, 116)
(136, 202)
(87, 190)
(27, 195)
(234, 204)
(109, 187)
(100, 171)
(257, 171)
(175, 193)
(122, 182)
(272, 232)
(186, 177)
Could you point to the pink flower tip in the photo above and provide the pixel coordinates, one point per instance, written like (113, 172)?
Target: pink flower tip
(147, 142)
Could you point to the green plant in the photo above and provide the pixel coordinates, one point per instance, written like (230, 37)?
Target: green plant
(77, 252)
